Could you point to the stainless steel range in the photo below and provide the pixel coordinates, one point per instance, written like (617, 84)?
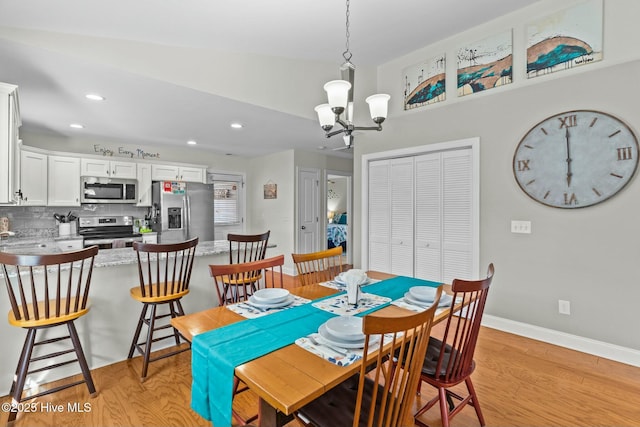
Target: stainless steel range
(108, 232)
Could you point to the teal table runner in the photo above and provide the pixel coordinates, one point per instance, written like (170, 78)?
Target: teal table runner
(215, 354)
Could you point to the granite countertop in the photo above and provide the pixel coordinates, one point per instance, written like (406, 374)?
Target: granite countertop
(105, 257)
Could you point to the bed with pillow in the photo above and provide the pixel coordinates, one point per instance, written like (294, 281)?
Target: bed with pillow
(337, 232)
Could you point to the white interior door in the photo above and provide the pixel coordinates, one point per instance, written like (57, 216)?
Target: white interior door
(308, 210)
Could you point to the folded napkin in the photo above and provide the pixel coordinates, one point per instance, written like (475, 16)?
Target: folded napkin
(249, 311)
(329, 353)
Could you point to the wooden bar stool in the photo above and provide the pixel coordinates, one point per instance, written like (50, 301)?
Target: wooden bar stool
(164, 271)
(46, 291)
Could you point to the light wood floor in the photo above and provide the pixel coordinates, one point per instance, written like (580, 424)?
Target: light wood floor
(520, 382)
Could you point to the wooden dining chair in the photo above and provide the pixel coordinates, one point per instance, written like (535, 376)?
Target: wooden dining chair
(243, 248)
(449, 361)
(382, 394)
(316, 267)
(45, 291)
(271, 277)
(164, 273)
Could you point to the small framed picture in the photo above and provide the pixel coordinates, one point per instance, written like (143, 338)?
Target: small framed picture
(271, 191)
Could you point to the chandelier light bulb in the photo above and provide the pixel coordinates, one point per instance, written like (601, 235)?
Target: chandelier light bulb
(338, 94)
(378, 106)
(325, 116)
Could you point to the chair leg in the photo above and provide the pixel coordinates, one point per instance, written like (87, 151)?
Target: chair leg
(77, 346)
(147, 347)
(136, 335)
(444, 410)
(21, 374)
(474, 401)
(173, 312)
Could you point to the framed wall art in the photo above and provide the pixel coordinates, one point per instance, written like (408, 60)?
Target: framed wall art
(270, 191)
(485, 64)
(424, 83)
(566, 39)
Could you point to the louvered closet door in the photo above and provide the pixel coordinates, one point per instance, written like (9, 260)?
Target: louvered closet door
(402, 237)
(457, 215)
(428, 248)
(379, 216)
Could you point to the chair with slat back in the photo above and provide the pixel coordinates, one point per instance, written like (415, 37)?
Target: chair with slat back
(449, 364)
(164, 272)
(316, 267)
(243, 248)
(47, 291)
(381, 394)
(271, 277)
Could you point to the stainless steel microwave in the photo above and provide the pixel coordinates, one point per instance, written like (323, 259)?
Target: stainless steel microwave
(109, 190)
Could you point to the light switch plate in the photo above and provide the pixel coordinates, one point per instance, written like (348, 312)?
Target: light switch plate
(523, 227)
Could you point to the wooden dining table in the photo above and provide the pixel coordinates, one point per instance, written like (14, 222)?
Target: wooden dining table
(290, 377)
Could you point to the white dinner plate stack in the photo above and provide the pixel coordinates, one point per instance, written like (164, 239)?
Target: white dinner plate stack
(271, 298)
(344, 332)
(423, 296)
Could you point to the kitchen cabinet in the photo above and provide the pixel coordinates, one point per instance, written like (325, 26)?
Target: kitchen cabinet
(64, 181)
(144, 184)
(177, 173)
(33, 178)
(9, 125)
(107, 168)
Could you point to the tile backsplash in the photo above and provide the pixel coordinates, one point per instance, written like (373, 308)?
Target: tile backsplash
(38, 221)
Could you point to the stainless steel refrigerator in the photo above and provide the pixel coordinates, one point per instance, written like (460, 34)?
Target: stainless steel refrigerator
(182, 211)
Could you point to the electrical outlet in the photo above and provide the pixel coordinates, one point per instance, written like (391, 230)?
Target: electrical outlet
(523, 227)
(564, 307)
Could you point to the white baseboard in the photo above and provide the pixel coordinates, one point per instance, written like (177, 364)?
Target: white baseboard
(586, 345)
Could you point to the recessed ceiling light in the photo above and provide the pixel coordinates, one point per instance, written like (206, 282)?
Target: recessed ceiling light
(236, 125)
(76, 126)
(192, 142)
(94, 97)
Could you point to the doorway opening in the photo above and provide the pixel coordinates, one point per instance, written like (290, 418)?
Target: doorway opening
(339, 224)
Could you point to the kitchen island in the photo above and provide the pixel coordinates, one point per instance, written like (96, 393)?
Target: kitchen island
(107, 330)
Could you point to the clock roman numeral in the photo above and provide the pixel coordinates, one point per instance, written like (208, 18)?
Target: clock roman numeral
(568, 121)
(625, 153)
(570, 199)
(523, 165)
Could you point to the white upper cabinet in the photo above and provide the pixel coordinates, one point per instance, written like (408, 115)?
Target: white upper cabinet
(9, 125)
(64, 181)
(108, 168)
(33, 178)
(144, 184)
(177, 173)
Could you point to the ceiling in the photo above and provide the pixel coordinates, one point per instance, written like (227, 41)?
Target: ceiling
(156, 109)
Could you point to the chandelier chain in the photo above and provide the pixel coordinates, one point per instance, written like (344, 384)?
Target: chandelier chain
(347, 53)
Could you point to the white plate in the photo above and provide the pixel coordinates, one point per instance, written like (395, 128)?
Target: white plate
(284, 303)
(337, 342)
(270, 295)
(423, 293)
(348, 328)
(445, 300)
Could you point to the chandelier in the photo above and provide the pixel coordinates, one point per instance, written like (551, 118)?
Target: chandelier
(340, 101)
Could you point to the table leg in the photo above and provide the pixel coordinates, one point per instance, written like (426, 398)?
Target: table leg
(270, 416)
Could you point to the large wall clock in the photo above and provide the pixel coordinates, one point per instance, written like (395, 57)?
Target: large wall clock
(576, 159)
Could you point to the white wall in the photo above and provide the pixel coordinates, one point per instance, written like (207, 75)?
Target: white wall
(587, 256)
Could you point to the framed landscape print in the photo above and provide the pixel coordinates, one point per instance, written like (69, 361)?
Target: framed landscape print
(424, 83)
(485, 64)
(566, 39)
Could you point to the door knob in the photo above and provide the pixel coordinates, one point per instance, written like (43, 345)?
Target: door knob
(303, 227)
